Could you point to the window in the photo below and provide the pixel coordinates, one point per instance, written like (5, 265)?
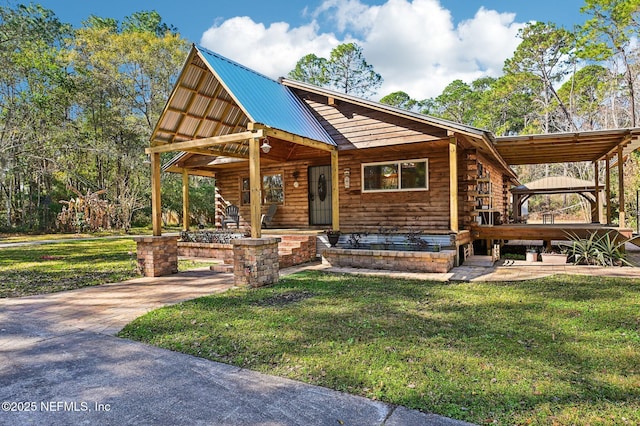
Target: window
(272, 189)
(245, 192)
(407, 175)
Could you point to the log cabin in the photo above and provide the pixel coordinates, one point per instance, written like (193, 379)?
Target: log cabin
(330, 159)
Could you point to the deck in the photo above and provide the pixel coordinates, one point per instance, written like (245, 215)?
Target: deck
(545, 232)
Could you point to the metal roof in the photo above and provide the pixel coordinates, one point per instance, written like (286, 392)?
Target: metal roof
(264, 100)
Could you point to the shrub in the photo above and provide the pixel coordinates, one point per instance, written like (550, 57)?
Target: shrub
(595, 250)
(221, 237)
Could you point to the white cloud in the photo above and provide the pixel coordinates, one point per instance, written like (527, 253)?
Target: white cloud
(414, 44)
(272, 50)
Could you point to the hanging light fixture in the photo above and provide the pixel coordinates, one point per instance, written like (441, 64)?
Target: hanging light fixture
(265, 147)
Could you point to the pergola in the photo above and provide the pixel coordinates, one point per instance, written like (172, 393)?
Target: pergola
(222, 110)
(610, 146)
(557, 185)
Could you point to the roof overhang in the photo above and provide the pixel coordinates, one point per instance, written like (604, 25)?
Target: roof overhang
(567, 147)
(217, 106)
(479, 138)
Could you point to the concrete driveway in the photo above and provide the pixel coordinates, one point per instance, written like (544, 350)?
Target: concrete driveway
(61, 365)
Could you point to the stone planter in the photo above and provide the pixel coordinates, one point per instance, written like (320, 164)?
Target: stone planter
(391, 260)
(554, 258)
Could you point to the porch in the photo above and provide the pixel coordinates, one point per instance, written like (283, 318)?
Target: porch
(545, 233)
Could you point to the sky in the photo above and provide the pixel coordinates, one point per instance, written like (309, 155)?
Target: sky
(418, 46)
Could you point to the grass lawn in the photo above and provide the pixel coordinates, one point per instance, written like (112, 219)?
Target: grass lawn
(22, 237)
(48, 268)
(560, 350)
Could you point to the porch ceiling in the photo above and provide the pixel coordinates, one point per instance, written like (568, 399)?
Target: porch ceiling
(567, 147)
(217, 106)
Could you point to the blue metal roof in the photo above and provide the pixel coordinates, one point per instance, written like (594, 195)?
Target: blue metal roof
(264, 100)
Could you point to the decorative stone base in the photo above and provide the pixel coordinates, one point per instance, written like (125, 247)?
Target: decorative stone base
(157, 256)
(413, 261)
(219, 251)
(255, 261)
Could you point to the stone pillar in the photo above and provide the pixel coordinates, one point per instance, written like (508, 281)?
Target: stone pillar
(157, 256)
(255, 261)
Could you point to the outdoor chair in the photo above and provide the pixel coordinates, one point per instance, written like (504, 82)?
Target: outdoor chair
(267, 218)
(231, 215)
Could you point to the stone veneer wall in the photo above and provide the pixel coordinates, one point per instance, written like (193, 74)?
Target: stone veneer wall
(157, 256)
(296, 249)
(255, 261)
(413, 261)
(220, 251)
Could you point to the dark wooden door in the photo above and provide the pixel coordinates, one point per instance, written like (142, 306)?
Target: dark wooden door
(320, 195)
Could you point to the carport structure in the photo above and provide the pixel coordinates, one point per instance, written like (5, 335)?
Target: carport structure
(609, 146)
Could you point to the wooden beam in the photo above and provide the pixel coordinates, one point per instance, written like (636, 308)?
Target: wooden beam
(621, 215)
(216, 153)
(185, 200)
(205, 142)
(255, 187)
(195, 172)
(335, 192)
(607, 188)
(290, 137)
(156, 204)
(453, 184)
(595, 212)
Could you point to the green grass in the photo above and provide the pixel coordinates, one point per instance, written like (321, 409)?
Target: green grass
(22, 237)
(48, 268)
(561, 350)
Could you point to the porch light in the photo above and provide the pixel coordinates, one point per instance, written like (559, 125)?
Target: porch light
(265, 147)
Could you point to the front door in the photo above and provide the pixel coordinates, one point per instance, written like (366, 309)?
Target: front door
(320, 195)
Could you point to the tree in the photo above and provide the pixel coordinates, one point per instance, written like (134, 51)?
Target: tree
(34, 106)
(545, 54)
(126, 75)
(456, 103)
(350, 73)
(608, 36)
(346, 71)
(400, 99)
(311, 69)
(585, 94)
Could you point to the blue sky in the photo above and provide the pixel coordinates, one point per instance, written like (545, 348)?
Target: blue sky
(418, 46)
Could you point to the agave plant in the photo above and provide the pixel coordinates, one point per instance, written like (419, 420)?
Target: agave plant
(595, 250)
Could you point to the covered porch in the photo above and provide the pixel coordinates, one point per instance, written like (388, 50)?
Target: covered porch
(222, 115)
(606, 150)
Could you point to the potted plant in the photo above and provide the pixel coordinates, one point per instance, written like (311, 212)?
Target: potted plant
(532, 254)
(333, 235)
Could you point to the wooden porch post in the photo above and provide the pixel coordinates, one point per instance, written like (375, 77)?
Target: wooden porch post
(621, 218)
(595, 211)
(517, 208)
(335, 191)
(607, 189)
(156, 205)
(185, 200)
(453, 184)
(255, 186)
